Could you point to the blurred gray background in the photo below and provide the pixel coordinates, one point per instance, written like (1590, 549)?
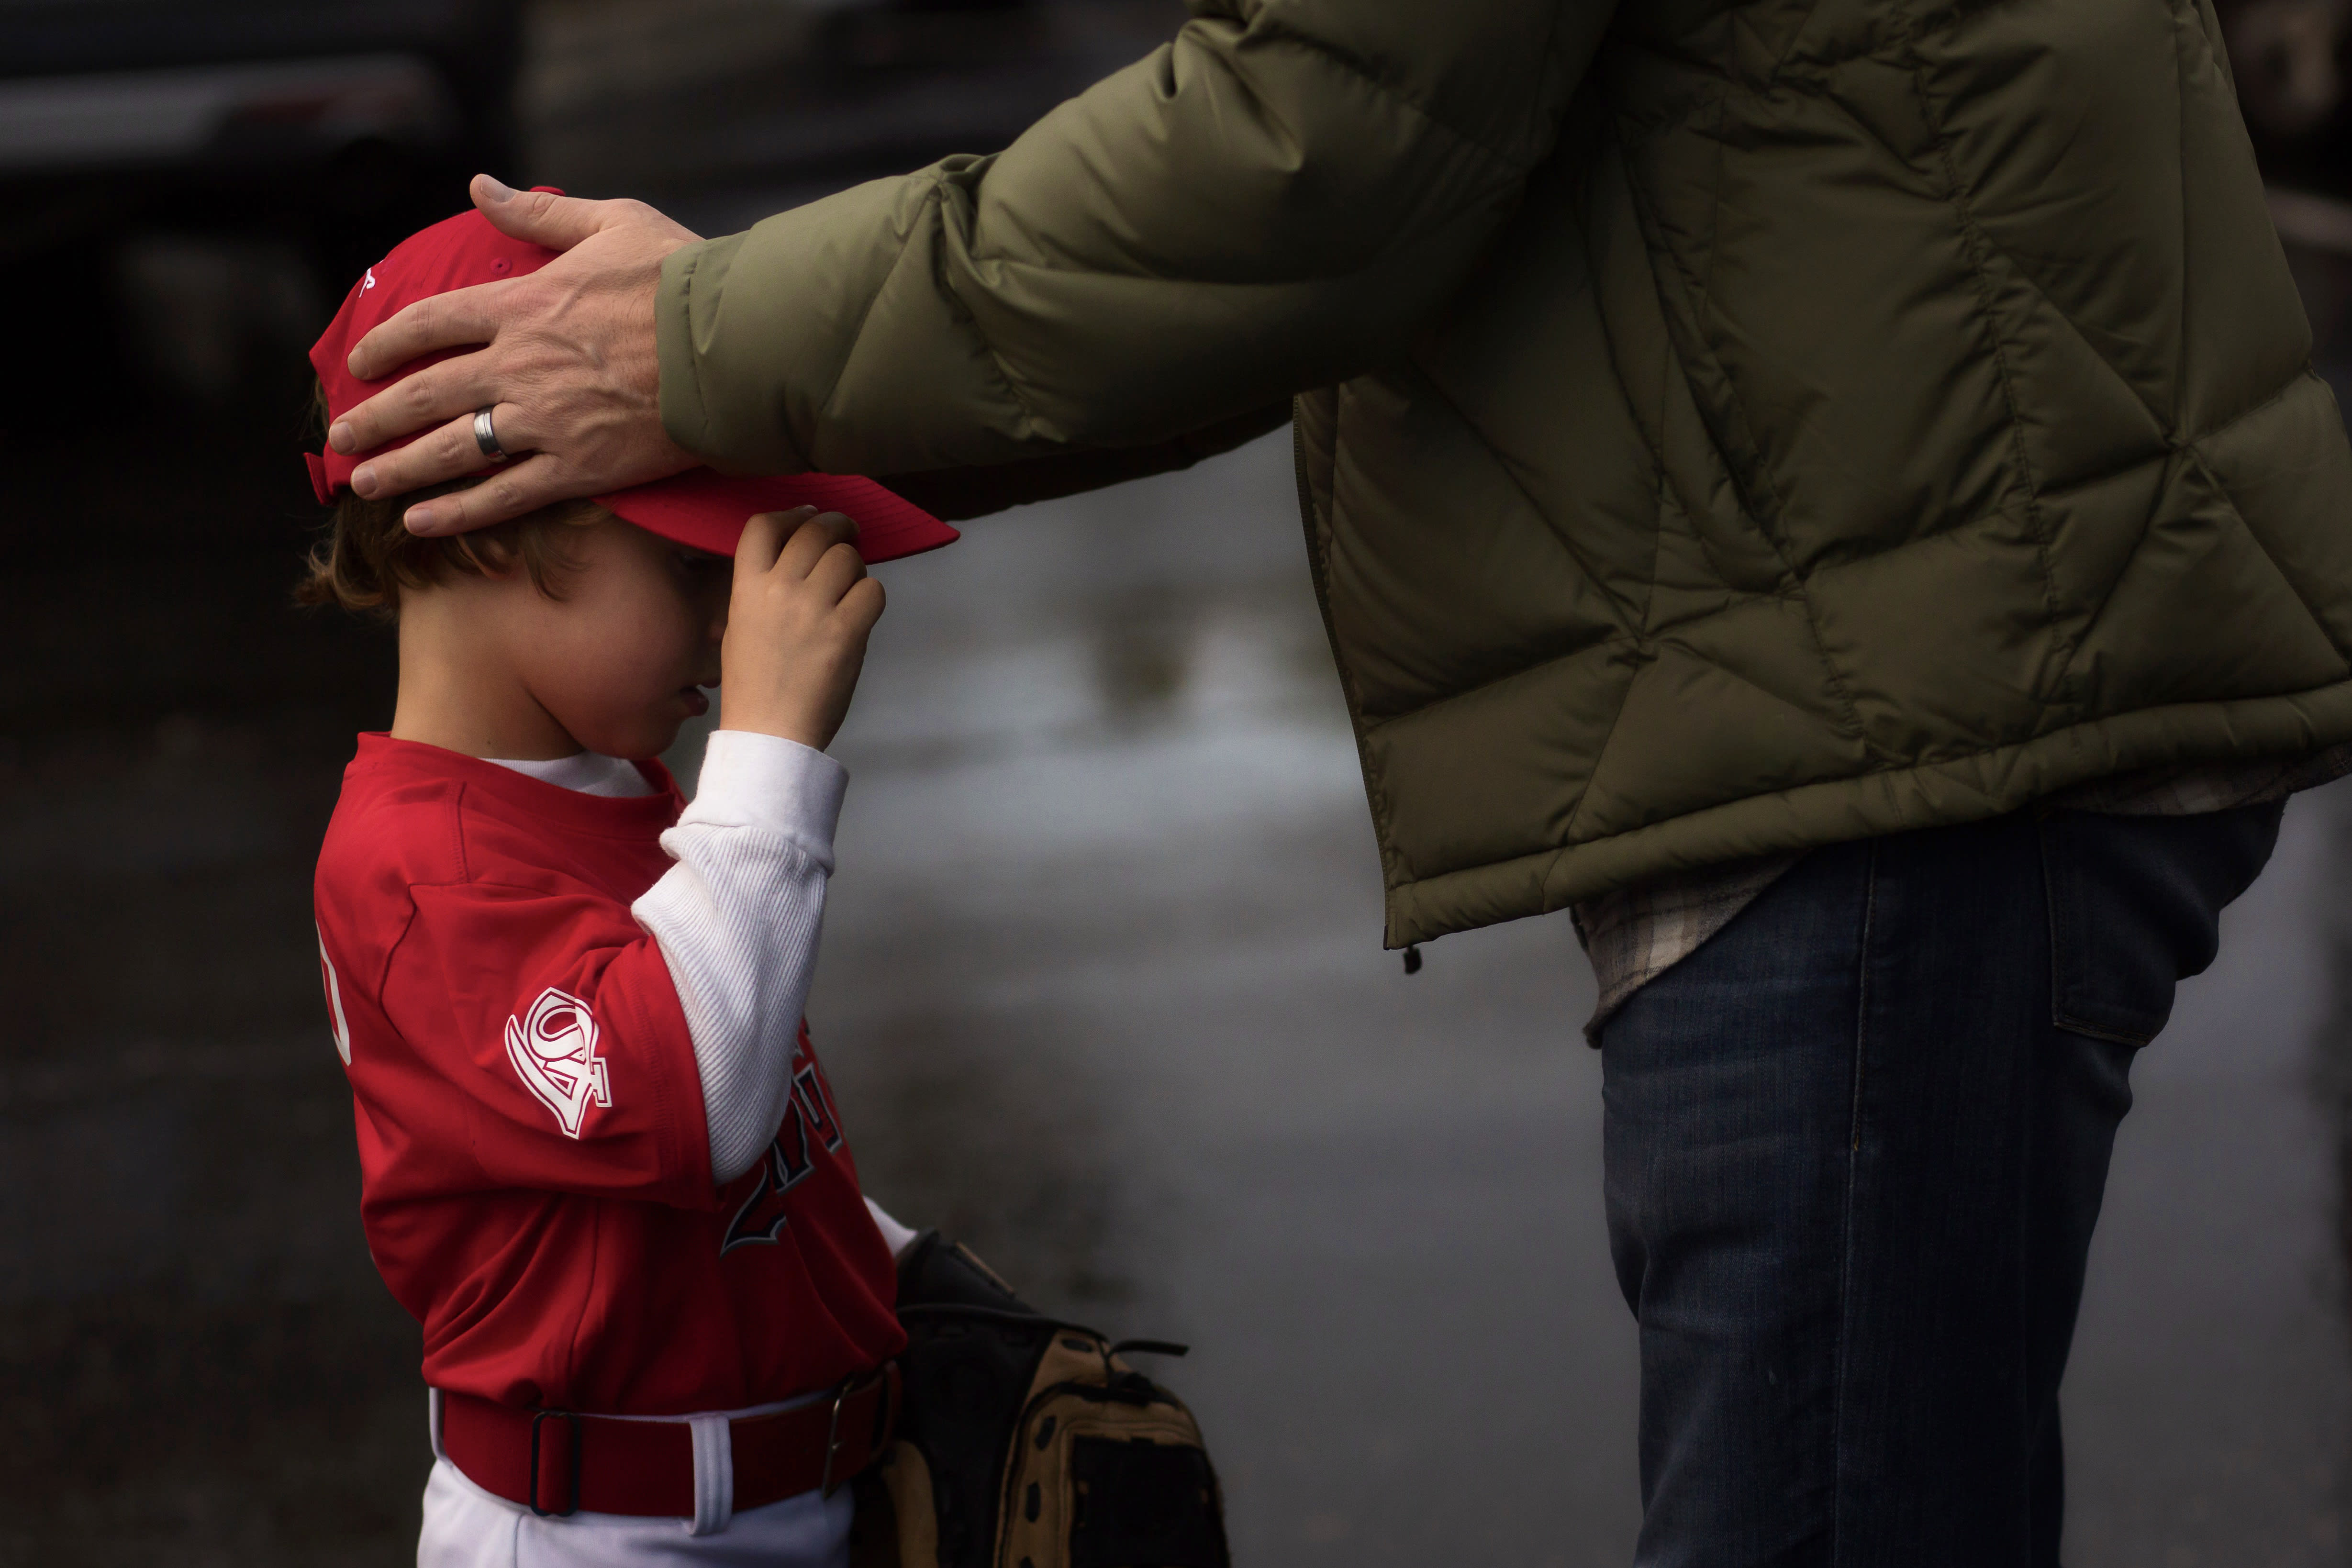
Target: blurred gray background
(1103, 991)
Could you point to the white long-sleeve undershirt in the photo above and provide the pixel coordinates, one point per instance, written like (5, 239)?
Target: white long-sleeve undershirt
(736, 918)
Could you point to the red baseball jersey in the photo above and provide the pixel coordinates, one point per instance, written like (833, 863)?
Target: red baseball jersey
(535, 1169)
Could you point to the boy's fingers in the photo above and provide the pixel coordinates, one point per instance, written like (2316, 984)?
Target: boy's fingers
(752, 544)
(837, 572)
(763, 539)
(809, 544)
(453, 320)
(864, 603)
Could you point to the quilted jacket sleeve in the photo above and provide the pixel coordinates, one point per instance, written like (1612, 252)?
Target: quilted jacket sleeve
(1269, 202)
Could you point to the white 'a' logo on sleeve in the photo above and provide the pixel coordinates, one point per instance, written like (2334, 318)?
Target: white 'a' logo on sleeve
(334, 998)
(554, 1047)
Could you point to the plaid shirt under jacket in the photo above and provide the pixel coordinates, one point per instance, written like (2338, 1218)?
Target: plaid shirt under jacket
(1636, 934)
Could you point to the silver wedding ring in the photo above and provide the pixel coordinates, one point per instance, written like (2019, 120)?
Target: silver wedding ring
(486, 437)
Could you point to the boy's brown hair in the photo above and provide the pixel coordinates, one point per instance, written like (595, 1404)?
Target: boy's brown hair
(369, 557)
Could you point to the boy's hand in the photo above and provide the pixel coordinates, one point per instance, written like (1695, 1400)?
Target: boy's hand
(796, 626)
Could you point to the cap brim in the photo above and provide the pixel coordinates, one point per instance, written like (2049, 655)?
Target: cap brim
(707, 510)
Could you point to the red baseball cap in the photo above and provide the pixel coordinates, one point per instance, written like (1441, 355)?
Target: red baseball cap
(701, 507)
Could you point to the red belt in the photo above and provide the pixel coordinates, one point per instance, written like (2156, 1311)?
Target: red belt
(559, 1461)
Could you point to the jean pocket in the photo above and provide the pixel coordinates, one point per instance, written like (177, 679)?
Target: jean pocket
(2136, 907)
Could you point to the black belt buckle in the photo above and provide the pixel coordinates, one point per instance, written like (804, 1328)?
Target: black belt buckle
(850, 1387)
(826, 1485)
(574, 1506)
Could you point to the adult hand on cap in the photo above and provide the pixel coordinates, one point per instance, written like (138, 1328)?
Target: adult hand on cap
(568, 364)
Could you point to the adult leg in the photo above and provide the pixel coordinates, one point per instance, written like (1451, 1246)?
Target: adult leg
(2134, 908)
(1727, 1092)
(1854, 1160)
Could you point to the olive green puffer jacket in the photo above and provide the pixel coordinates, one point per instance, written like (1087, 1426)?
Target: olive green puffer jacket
(1723, 428)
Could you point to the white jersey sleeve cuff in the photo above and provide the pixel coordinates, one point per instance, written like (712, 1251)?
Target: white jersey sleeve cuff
(764, 781)
(895, 1236)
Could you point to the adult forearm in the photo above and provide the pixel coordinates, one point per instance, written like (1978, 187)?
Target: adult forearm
(1273, 201)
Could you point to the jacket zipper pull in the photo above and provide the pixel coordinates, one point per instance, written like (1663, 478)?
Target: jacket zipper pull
(1413, 957)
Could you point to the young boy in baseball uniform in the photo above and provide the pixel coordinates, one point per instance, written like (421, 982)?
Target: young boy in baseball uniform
(600, 1163)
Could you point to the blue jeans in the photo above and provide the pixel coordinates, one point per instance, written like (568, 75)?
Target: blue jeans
(1855, 1146)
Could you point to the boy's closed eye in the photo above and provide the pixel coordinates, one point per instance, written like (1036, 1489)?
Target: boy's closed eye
(699, 566)
(706, 580)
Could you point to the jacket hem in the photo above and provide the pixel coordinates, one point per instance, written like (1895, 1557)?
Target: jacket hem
(1984, 784)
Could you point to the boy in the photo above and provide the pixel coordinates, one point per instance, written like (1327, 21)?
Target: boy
(600, 1163)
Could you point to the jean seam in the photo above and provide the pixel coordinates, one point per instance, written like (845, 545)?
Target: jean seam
(2042, 850)
(1845, 1248)
(2073, 1024)
(2060, 986)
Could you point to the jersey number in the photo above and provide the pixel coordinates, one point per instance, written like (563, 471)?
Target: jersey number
(761, 1218)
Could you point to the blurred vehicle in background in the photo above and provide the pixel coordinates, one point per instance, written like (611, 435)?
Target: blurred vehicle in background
(228, 165)
(194, 183)
(723, 111)
(211, 112)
